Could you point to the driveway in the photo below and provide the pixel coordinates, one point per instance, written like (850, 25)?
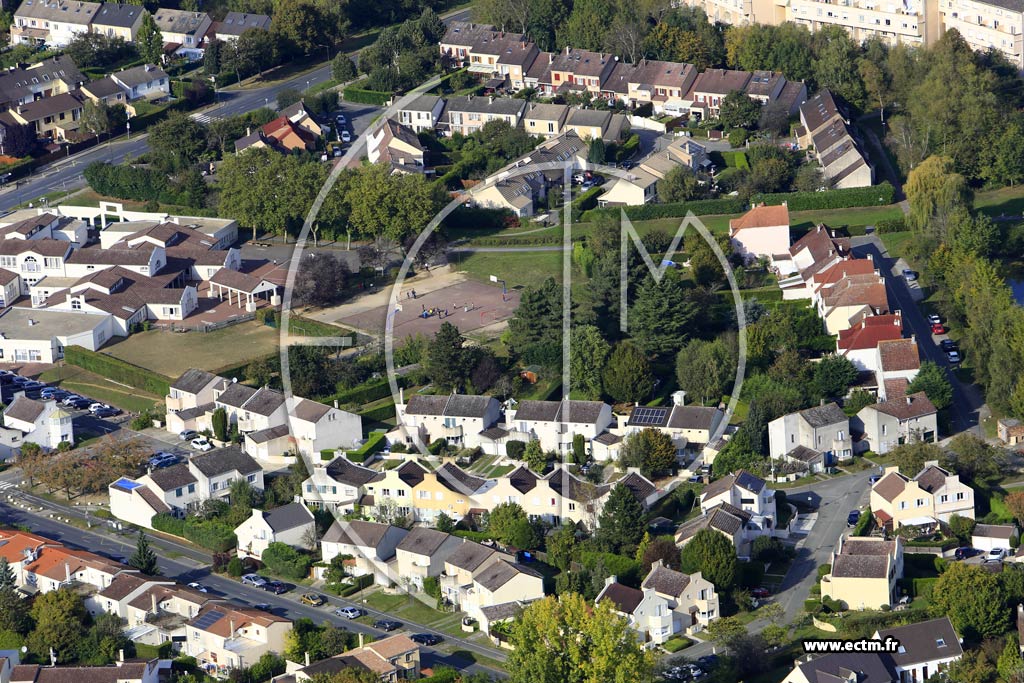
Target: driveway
(967, 398)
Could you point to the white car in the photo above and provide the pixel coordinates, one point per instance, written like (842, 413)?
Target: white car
(97, 406)
(200, 443)
(346, 136)
(349, 612)
(253, 580)
(995, 555)
(199, 587)
(934, 319)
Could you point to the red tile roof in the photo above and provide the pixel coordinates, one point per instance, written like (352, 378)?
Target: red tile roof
(898, 355)
(761, 217)
(869, 332)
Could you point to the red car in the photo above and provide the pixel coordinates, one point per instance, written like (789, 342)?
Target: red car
(760, 593)
(938, 328)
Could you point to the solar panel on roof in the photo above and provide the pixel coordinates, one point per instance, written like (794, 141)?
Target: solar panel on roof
(647, 416)
(208, 619)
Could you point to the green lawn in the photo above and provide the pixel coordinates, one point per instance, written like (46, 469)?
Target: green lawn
(1006, 200)
(896, 242)
(853, 217)
(94, 386)
(516, 268)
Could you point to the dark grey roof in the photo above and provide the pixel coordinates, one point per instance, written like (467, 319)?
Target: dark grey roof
(458, 480)
(506, 106)
(861, 566)
(666, 580)
(236, 395)
(823, 416)
(638, 485)
(607, 438)
(1003, 531)
(264, 402)
(237, 23)
(748, 481)
(718, 487)
(522, 479)
(310, 411)
(344, 471)
(804, 454)
(931, 478)
(358, 533)
(426, 405)
(269, 434)
(423, 541)
(179, 21)
(173, 477)
(118, 14)
(192, 381)
(25, 409)
(422, 103)
(862, 668)
(588, 117)
(463, 405)
(926, 641)
(692, 417)
(288, 517)
(502, 612)
(412, 473)
(625, 599)
(470, 556)
(224, 460)
(500, 573)
(192, 413)
(573, 488)
(104, 87)
(578, 412)
(139, 75)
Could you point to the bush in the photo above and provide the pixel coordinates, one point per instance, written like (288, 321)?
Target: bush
(365, 393)
(142, 421)
(210, 534)
(327, 454)
(677, 643)
(432, 587)
(118, 370)
(888, 225)
(515, 449)
(355, 93)
(235, 567)
(283, 560)
(379, 414)
(586, 201)
(922, 588)
(823, 570)
(375, 442)
(701, 207)
(357, 584)
(437, 446)
(738, 137)
(625, 568)
(169, 524)
(876, 195)
(131, 182)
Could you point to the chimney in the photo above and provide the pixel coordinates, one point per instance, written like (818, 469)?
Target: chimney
(248, 131)
(335, 404)
(152, 601)
(566, 50)
(307, 657)
(231, 628)
(490, 100)
(611, 579)
(360, 641)
(821, 402)
(120, 656)
(679, 398)
(401, 395)
(909, 400)
(67, 571)
(551, 59)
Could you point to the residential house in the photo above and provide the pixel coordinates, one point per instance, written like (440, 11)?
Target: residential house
(691, 427)
(556, 498)
(580, 70)
(489, 46)
(125, 587)
(40, 335)
(464, 565)
(730, 521)
(818, 249)
(516, 193)
(545, 120)
(846, 302)
(680, 152)
(183, 32)
(1010, 431)
(118, 20)
(422, 553)
(897, 361)
(146, 81)
(555, 423)
(597, 124)
(54, 567)
(647, 612)
(396, 145)
(51, 22)
(860, 343)
(235, 24)
(468, 114)
(120, 672)
(742, 490)
(251, 409)
(10, 287)
(885, 426)
(663, 84)
(46, 78)
(51, 117)
(459, 38)
(393, 659)
(816, 437)
(281, 134)
(40, 422)
(316, 427)
(926, 648)
(457, 418)
(423, 113)
(864, 572)
(182, 487)
(499, 583)
(223, 637)
(372, 547)
(105, 90)
(862, 667)
(692, 598)
(761, 232)
(449, 490)
(740, 506)
(192, 389)
(292, 524)
(638, 187)
(932, 495)
(514, 61)
(986, 537)
(339, 486)
(161, 612)
(828, 132)
(711, 87)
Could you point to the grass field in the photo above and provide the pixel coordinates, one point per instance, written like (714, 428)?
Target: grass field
(171, 353)
(1006, 200)
(896, 242)
(516, 268)
(86, 383)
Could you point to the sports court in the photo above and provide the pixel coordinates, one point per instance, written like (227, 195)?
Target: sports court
(470, 305)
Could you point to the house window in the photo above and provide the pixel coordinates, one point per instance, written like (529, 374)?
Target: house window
(178, 493)
(191, 488)
(572, 507)
(423, 495)
(943, 498)
(386, 492)
(903, 505)
(919, 503)
(960, 495)
(251, 478)
(76, 304)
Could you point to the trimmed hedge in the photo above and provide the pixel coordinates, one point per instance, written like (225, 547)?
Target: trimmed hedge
(283, 560)
(366, 393)
(379, 414)
(375, 442)
(646, 212)
(327, 454)
(354, 93)
(586, 201)
(478, 536)
(891, 225)
(359, 583)
(209, 534)
(876, 195)
(677, 643)
(118, 370)
(923, 587)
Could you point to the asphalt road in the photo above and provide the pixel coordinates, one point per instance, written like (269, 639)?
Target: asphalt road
(185, 568)
(967, 399)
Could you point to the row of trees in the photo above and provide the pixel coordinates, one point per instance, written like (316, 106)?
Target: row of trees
(84, 471)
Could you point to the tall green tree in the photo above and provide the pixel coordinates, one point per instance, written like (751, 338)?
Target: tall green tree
(176, 143)
(149, 41)
(932, 380)
(446, 356)
(739, 111)
(714, 556)
(628, 376)
(588, 353)
(60, 618)
(833, 375)
(538, 319)
(706, 369)
(622, 522)
(7, 579)
(663, 315)
(972, 599)
(144, 559)
(392, 205)
(219, 423)
(504, 519)
(566, 640)
(651, 450)
(680, 185)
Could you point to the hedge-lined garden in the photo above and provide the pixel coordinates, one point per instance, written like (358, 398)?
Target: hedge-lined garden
(358, 94)
(375, 442)
(209, 534)
(646, 212)
(876, 195)
(118, 370)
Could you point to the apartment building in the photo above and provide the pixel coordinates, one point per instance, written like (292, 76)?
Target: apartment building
(933, 495)
(51, 22)
(996, 24)
(828, 133)
(912, 22)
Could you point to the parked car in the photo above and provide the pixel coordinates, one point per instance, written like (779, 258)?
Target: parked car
(938, 328)
(578, 178)
(188, 434)
(161, 460)
(18, 379)
(313, 599)
(338, 151)
(276, 587)
(425, 638)
(874, 479)
(341, 119)
(199, 587)
(106, 412)
(953, 357)
(696, 479)
(254, 580)
(965, 553)
(387, 625)
(79, 403)
(760, 593)
(70, 399)
(628, 164)
(265, 606)
(996, 555)
(200, 443)
(350, 612)
(948, 345)
(93, 407)
(346, 136)
(853, 518)
(909, 275)
(934, 319)
(54, 393)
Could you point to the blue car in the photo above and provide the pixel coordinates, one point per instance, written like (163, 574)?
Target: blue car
(853, 517)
